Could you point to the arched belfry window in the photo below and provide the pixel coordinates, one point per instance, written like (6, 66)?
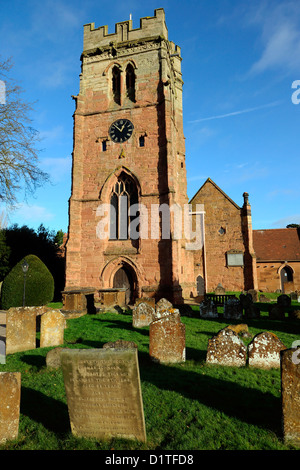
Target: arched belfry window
(116, 84)
(124, 195)
(130, 82)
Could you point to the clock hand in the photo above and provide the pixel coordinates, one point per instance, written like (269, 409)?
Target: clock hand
(120, 130)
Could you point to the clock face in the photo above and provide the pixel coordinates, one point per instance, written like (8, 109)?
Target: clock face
(120, 130)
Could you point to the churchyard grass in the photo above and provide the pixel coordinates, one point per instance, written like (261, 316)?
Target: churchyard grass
(187, 406)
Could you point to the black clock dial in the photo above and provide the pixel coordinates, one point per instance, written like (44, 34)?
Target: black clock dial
(120, 130)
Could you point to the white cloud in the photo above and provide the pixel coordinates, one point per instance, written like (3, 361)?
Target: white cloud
(280, 37)
(236, 113)
(32, 213)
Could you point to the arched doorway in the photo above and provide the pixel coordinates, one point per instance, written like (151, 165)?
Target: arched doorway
(123, 279)
(286, 275)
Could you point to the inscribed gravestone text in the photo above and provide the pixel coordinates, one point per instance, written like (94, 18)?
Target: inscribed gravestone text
(103, 393)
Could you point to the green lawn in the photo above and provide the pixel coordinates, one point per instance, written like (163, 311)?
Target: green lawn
(188, 406)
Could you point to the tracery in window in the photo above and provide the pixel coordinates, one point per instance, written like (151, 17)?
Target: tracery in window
(123, 196)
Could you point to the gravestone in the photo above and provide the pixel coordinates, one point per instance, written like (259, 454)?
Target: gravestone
(161, 307)
(284, 300)
(104, 393)
(253, 311)
(264, 299)
(142, 315)
(167, 339)
(290, 395)
(2, 350)
(226, 348)
(264, 351)
(254, 294)
(52, 328)
(220, 289)
(208, 309)
(10, 393)
(277, 312)
(120, 344)
(233, 309)
(20, 329)
(53, 358)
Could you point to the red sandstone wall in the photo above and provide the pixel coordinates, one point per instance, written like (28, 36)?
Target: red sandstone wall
(219, 212)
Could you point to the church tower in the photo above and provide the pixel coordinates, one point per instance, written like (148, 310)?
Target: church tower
(128, 161)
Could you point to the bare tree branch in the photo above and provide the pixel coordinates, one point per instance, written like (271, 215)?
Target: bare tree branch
(18, 143)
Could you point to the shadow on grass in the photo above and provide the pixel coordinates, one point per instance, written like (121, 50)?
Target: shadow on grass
(246, 404)
(51, 413)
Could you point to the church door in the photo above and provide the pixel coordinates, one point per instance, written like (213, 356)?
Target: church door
(123, 280)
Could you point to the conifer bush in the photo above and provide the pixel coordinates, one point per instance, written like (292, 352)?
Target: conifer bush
(39, 286)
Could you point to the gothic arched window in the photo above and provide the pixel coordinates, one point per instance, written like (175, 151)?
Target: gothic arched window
(116, 84)
(123, 196)
(130, 82)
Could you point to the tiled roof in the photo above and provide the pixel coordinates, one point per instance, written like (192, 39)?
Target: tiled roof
(280, 244)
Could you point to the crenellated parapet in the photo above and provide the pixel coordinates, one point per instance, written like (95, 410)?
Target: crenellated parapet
(150, 27)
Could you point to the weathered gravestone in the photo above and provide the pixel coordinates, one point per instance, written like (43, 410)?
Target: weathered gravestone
(264, 351)
(220, 289)
(254, 294)
(53, 358)
(290, 395)
(53, 325)
(162, 307)
(233, 309)
(10, 393)
(120, 344)
(20, 329)
(226, 348)
(142, 315)
(104, 393)
(167, 339)
(208, 309)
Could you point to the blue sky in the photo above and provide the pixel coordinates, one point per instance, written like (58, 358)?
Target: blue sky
(241, 126)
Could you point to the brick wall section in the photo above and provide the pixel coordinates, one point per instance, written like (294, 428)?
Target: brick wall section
(221, 213)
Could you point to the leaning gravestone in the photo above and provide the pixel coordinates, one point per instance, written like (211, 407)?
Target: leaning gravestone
(226, 348)
(20, 329)
(52, 328)
(104, 393)
(142, 315)
(264, 351)
(10, 393)
(167, 339)
(290, 395)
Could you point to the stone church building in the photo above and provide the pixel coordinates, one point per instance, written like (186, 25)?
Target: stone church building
(128, 226)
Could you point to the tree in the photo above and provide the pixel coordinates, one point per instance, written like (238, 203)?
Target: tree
(18, 142)
(292, 226)
(39, 285)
